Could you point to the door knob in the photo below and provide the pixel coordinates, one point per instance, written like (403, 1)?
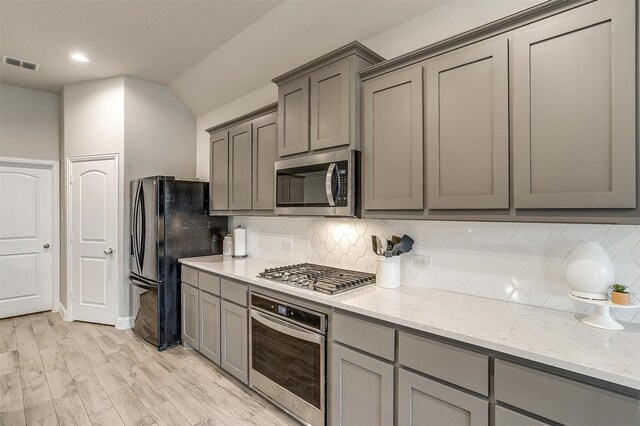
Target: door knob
(108, 251)
(46, 245)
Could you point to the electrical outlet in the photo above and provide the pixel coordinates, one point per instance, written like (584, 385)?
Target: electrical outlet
(287, 246)
(422, 260)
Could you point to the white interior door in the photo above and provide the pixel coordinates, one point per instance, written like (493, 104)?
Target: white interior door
(93, 225)
(26, 260)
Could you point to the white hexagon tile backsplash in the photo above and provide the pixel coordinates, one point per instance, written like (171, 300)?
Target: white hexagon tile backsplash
(517, 262)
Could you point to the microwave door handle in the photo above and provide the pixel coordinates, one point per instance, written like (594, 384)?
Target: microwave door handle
(286, 328)
(329, 184)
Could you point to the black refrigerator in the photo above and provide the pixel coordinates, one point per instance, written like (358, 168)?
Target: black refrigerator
(169, 220)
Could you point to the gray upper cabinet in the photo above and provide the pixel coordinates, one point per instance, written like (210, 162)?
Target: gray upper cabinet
(240, 170)
(189, 314)
(393, 141)
(293, 117)
(319, 102)
(467, 126)
(219, 171)
(243, 155)
(574, 109)
(422, 401)
(330, 102)
(234, 347)
(361, 389)
(265, 154)
(209, 306)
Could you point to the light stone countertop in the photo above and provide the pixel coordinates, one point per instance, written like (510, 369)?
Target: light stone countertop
(541, 335)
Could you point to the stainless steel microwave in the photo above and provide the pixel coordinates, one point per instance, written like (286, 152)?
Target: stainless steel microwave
(318, 185)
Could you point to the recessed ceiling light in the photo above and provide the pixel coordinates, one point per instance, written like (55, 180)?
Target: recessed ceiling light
(79, 57)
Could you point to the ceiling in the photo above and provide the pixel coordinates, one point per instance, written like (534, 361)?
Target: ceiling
(208, 51)
(152, 40)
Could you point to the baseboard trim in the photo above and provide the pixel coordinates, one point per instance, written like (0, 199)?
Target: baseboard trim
(124, 323)
(64, 313)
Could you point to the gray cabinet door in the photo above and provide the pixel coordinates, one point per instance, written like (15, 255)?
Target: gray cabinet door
(209, 308)
(234, 347)
(393, 141)
(189, 314)
(361, 389)
(506, 417)
(265, 154)
(240, 167)
(293, 117)
(574, 109)
(219, 171)
(467, 122)
(425, 402)
(330, 105)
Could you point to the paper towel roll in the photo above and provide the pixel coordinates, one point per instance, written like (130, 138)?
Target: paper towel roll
(239, 242)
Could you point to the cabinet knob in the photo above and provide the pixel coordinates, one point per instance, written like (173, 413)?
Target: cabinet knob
(46, 245)
(108, 251)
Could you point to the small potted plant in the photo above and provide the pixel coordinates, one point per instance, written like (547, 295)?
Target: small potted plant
(620, 294)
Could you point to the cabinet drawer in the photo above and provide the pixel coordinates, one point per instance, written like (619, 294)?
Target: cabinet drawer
(505, 417)
(189, 275)
(209, 283)
(550, 396)
(452, 364)
(234, 291)
(373, 338)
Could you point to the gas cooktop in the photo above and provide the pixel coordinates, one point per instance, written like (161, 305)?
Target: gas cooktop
(324, 279)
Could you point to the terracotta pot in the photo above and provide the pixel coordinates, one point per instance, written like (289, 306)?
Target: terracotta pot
(621, 298)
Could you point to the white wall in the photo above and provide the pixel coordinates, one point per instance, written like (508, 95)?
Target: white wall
(29, 123)
(93, 123)
(442, 22)
(159, 139)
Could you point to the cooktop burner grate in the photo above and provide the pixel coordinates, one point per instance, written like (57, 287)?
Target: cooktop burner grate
(324, 279)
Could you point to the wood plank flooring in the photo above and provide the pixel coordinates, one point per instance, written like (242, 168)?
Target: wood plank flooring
(72, 373)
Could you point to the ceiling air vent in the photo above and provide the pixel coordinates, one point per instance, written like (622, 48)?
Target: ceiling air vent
(20, 63)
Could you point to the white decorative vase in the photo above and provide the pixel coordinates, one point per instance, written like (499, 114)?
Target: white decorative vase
(589, 271)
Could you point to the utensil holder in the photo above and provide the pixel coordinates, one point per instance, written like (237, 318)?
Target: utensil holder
(388, 271)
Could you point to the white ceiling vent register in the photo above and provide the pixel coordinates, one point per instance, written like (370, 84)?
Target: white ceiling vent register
(9, 60)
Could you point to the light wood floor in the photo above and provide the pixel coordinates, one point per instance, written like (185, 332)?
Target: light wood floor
(73, 373)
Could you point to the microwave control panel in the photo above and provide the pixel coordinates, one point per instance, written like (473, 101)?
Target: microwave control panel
(343, 179)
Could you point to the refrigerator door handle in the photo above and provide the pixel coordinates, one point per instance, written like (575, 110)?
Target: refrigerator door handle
(143, 231)
(134, 226)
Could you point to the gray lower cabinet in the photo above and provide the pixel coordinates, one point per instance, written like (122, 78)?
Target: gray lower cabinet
(560, 399)
(240, 170)
(393, 141)
(507, 417)
(209, 307)
(219, 171)
(234, 347)
(361, 389)
(265, 154)
(189, 315)
(293, 117)
(574, 109)
(467, 126)
(422, 401)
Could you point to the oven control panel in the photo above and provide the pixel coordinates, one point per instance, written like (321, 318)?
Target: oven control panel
(293, 313)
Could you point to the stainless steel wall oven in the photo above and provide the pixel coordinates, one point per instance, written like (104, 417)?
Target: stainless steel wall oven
(288, 357)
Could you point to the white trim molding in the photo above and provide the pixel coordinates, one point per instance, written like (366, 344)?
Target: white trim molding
(63, 312)
(124, 323)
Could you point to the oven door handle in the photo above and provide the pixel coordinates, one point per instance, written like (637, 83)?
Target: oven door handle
(287, 328)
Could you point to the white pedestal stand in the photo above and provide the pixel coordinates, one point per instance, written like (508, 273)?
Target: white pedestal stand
(601, 317)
